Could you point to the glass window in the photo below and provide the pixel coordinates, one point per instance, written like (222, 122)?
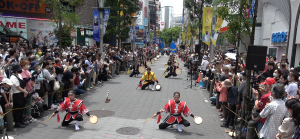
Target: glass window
(273, 52)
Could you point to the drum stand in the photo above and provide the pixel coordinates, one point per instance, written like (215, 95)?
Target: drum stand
(191, 70)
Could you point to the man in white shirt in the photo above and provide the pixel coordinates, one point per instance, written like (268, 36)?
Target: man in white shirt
(204, 65)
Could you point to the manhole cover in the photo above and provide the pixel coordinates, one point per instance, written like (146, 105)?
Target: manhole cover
(102, 113)
(128, 130)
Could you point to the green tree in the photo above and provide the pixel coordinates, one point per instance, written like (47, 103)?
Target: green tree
(167, 35)
(196, 11)
(64, 13)
(120, 18)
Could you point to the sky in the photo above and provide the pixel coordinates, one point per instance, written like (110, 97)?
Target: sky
(177, 5)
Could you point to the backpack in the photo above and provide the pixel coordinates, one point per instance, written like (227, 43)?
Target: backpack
(77, 81)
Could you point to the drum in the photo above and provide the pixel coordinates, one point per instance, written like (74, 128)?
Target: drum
(93, 119)
(198, 120)
(155, 58)
(148, 64)
(152, 61)
(142, 69)
(178, 71)
(158, 87)
(176, 64)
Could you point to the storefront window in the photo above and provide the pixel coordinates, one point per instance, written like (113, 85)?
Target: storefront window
(272, 52)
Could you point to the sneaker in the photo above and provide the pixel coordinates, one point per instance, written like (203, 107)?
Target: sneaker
(222, 119)
(88, 89)
(77, 127)
(178, 127)
(54, 106)
(31, 120)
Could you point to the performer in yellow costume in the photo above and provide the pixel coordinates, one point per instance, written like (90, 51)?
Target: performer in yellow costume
(148, 78)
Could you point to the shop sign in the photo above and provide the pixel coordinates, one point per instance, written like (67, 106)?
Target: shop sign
(32, 6)
(82, 33)
(14, 24)
(279, 37)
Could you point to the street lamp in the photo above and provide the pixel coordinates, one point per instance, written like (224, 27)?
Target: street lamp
(134, 32)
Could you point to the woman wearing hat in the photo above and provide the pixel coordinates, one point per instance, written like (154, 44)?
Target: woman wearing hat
(6, 94)
(19, 93)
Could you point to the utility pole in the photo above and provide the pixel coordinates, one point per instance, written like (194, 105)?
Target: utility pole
(213, 26)
(134, 32)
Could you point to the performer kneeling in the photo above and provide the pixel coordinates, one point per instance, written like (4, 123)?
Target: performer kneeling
(171, 70)
(175, 108)
(135, 68)
(75, 110)
(148, 77)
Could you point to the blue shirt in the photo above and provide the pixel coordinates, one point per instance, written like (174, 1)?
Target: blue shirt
(88, 62)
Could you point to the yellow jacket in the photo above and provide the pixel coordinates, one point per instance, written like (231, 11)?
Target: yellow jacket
(148, 77)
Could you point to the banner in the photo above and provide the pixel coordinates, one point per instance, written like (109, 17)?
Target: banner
(106, 17)
(207, 20)
(96, 25)
(183, 36)
(215, 34)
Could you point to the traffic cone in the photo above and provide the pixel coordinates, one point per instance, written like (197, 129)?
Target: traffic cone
(107, 100)
(199, 77)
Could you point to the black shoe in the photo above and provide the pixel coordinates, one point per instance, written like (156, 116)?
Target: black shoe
(19, 126)
(24, 123)
(224, 125)
(64, 124)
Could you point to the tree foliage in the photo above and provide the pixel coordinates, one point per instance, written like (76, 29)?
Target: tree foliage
(233, 11)
(120, 17)
(167, 35)
(65, 18)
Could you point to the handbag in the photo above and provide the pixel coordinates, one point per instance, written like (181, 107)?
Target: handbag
(22, 82)
(56, 86)
(46, 84)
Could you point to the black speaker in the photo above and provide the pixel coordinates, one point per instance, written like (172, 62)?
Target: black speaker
(182, 46)
(197, 48)
(256, 57)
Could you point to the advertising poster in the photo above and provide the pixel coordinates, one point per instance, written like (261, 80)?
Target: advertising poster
(106, 17)
(207, 20)
(96, 25)
(41, 32)
(215, 34)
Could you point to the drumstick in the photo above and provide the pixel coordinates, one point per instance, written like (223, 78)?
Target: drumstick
(148, 119)
(48, 120)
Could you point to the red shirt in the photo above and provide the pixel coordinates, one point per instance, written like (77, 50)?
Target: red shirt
(264, 100)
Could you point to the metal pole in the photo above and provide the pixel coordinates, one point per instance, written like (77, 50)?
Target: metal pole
(212, 29)
(101, 25)
(134, 32)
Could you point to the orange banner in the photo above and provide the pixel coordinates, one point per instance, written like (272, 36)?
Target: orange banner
(31, 6)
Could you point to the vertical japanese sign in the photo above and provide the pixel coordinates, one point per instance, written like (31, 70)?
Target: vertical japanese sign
(207, 20)
(96, 25)
(215, 34)
(106, 17)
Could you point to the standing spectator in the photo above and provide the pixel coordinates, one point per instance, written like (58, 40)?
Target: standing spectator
(26, 75)
(283, 68)
(287, 128)
(232, 98)
(275, 111)
(222, 98)
(296, 119)
(204, 65)
(264, 100)
(49, 77)
(292, 88)
(6, 94)
(276, 75)
(19, 93)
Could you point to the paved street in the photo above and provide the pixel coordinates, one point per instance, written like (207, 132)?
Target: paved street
(131, 108)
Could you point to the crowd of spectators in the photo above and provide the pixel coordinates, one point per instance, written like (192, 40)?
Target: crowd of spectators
(274, 97)
(36, 79)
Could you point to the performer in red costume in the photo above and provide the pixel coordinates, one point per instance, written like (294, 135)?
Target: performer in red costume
(74, 108)
(175, 108)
